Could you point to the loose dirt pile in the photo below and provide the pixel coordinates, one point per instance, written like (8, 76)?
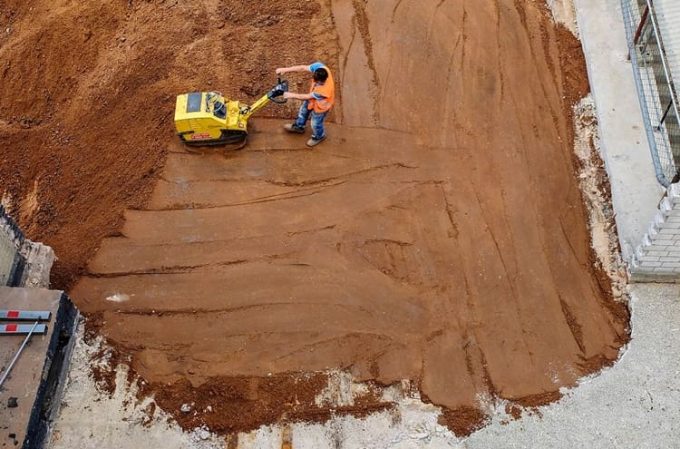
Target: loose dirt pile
(438, 236)
(87, 92)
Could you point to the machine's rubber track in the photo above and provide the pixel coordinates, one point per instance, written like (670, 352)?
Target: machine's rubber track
(230, 141)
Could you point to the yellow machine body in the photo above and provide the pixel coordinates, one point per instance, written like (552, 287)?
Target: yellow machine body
(207, 118)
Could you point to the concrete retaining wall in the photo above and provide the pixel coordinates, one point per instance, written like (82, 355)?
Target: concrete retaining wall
(11, 241)
(657, 259)
(23, 263)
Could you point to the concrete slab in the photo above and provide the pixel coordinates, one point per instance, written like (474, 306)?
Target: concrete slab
(34, 379)
(635, 191)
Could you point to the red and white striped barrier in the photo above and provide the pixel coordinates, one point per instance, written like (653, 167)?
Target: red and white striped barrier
(22, 329)
(25, 315)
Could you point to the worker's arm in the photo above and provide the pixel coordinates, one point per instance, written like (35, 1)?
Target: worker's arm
(295, 96)
(295, 68)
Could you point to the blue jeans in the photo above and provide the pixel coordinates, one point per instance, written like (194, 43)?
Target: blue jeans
(318, 131)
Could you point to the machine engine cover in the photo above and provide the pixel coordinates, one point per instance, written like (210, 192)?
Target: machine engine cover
(207, 118)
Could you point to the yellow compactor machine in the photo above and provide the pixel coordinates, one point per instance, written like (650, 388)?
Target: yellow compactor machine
(207, 118)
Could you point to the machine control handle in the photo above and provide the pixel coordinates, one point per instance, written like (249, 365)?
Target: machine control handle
(278, 90)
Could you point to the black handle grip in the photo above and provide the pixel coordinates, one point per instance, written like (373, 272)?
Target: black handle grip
(279, 89)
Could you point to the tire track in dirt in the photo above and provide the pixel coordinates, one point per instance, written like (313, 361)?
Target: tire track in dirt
(361, 22)
(499, 50)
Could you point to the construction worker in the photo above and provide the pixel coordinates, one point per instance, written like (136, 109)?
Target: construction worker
(316, 103)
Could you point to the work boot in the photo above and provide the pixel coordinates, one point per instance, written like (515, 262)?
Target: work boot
(314, 141)
(293, 128)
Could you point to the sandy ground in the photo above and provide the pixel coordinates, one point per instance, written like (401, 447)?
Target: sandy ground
(401, 249)
(632, 404)
(439, 235)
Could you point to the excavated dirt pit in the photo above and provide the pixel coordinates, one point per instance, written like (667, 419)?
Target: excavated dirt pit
(438, 236)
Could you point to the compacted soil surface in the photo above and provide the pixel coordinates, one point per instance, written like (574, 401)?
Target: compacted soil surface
(438, 235)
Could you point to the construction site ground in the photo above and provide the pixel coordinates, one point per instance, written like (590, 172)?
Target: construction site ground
(427, 269)
(630, 405)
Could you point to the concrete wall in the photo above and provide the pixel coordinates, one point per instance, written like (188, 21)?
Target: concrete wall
(11, 261)
(657, 259)
(23, 263)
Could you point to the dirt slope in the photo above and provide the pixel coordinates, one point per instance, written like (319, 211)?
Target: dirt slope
(87, 93)
(438, 236)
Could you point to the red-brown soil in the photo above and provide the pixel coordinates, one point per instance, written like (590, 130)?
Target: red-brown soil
(87, 92)
(439, 234)
(230, 404)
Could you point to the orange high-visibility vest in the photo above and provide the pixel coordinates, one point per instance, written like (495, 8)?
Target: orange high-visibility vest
(327, 90)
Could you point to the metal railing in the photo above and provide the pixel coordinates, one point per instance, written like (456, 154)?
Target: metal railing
(658, 96)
